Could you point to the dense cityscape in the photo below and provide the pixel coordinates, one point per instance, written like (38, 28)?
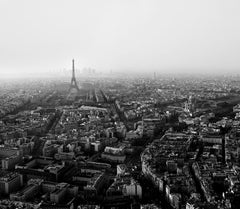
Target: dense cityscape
(111, 141)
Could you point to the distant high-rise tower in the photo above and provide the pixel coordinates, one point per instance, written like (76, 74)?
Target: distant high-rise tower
(73, 84)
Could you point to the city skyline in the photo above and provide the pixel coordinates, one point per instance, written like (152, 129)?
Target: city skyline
(138, 36)
(119, 104)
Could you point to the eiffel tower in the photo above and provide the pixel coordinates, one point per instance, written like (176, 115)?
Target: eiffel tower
(73, 84)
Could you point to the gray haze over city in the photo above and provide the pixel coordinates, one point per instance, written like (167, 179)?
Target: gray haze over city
(39, 37)
(126, 104)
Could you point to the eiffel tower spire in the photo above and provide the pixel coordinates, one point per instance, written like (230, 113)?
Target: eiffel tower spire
(73, 84)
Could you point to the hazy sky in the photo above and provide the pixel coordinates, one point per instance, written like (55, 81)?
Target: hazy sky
(122, 35)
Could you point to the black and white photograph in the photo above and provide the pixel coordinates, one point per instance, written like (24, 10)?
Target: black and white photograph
(119, 104)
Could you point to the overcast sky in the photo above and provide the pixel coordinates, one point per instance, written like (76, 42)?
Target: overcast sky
(122, 35)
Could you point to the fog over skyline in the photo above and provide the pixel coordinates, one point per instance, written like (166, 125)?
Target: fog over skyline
(175, 36)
